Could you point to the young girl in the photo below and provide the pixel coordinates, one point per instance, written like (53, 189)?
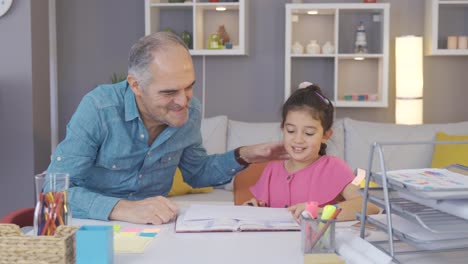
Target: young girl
(309, 174)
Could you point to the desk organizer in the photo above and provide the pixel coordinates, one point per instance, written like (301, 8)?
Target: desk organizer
(413, 215)
(15, 247)
(316, 236)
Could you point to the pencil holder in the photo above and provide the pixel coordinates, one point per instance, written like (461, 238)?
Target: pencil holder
(52, 208)
(318, 236)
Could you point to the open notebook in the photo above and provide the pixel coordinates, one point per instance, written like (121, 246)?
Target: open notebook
(230, 218)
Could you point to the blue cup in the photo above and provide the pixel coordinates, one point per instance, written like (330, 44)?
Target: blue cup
(95, 244)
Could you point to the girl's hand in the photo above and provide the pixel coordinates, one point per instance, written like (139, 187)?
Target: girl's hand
(297, 209)
(254, 202)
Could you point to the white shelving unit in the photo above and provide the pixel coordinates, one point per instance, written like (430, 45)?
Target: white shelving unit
(200, 18)
(342, 72)
(442, 19)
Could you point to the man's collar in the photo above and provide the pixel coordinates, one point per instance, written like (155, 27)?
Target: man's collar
(131, 109)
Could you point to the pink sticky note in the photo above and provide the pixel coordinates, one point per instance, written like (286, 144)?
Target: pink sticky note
(131, 229)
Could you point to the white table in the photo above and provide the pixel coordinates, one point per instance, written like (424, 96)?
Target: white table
(242, 247)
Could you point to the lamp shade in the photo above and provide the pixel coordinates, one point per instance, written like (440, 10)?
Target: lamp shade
(409, 80)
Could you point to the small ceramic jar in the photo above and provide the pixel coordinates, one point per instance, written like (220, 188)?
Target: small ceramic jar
(313, 47)
(328, 48)
(297, 48)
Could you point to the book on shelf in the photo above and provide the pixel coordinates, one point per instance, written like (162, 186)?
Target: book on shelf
(231, 218)
(453, 177)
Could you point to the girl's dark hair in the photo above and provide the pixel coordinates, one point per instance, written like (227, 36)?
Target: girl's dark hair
(312, 99)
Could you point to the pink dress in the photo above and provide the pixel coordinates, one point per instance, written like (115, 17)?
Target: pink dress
(321, 181)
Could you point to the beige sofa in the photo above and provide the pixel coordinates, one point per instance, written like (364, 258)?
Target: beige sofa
(351, 141)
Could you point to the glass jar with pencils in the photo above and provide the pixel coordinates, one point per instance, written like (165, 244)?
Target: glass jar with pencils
(52, 208)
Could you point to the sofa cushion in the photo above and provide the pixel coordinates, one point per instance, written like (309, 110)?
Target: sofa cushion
(214, 133)
(447, 154)
(335, 145)
(244, 133)
(359, 136)
(179, 187)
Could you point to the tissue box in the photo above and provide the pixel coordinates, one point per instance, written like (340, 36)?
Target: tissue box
(95, 244)
(318, 236)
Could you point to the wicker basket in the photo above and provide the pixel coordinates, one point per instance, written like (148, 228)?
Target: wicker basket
(15, 247)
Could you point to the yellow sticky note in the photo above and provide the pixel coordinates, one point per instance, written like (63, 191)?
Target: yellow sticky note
(127, 233)
(130, 244)
(117, 228)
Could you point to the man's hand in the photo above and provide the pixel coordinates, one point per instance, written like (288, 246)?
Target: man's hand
(154, 210)
(263, 152)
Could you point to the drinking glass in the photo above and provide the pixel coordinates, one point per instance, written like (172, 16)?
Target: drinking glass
(52, 208)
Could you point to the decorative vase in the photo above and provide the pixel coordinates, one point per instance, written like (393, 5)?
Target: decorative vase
(297, 48)
(223, 35)
(452, 42)
(187, 39)
(313, 47)
(213, 41)
(328, 48)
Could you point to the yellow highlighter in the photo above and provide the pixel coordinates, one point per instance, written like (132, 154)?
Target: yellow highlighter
(327, 213)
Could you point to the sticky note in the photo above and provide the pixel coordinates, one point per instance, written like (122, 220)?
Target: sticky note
(127, 233)
(130, 244)
(148, 234)
(131, 229)
(151, 230)
(117, 228)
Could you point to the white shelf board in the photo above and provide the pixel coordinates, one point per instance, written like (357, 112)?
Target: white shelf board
(343, 103)
(312, 55)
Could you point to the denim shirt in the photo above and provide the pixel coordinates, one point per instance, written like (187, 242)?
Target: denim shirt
(106, 153)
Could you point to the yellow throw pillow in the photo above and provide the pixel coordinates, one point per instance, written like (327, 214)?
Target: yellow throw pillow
(179, 187)
(446, 154)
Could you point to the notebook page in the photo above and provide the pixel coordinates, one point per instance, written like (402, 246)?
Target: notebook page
(246, 213)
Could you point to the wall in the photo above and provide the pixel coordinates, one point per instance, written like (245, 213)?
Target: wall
(24, 102)
(91, 49)
(94, 37)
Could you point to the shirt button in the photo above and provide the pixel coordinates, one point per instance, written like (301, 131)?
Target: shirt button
(289, 177)
(149, 153)
(59, 158)
(130, 194)
(286, 206)
(142, 136)
(233, 170)
(140, 176)
(114, 166)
